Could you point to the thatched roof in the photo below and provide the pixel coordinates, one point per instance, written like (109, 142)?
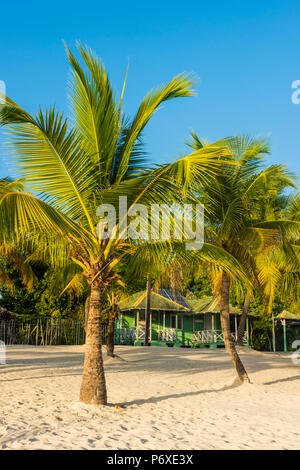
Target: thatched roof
(5, 314)
(166, 300)
(209, 305)
(286, 315)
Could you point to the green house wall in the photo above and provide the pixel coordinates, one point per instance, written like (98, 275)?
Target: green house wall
(190, 323)
(127, 320)
(184, 336)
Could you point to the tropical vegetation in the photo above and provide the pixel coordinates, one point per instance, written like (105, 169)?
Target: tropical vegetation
(70, 166)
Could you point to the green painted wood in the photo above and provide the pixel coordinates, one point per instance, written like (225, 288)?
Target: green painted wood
(154, 325)
(137, 323)
(284, 335)
(162, 344)
(273, 334)
(185, 336)
(187, 331)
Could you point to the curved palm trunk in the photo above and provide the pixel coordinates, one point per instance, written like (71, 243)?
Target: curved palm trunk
(242, 322)
(93, 386)
(225, 323)
(110, 344)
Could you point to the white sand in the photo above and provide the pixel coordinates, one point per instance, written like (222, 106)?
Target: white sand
(170, 399)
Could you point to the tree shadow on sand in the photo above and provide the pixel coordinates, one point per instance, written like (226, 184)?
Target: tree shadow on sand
(286, 379)
(142, 401)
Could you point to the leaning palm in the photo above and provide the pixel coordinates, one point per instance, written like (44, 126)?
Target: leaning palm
(232, 223)
(267, 265)
(73, 167)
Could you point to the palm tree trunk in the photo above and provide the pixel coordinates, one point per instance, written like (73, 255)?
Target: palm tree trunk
(93, 386)
(242, 322)
(86, 311)
(148, 310)
(225, 323)
(110, 344)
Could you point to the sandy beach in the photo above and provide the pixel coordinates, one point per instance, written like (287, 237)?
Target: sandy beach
(160, 398)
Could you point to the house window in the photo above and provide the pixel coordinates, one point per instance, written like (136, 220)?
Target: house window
(173, 322)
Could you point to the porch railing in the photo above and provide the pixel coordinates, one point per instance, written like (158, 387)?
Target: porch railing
(141, 333)
(132, 334)
(126, 334)
(208, 337)
(167, 334)
(129, 335)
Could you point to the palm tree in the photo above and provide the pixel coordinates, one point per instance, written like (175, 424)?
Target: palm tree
(278, 270)
(72, 167)
(272, 203)
(231, 224)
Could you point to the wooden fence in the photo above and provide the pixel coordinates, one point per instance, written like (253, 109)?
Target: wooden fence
(42, 331)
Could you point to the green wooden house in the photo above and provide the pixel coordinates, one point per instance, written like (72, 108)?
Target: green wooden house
(174, 321)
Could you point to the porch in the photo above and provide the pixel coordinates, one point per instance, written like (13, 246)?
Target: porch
(214, 338)
(136, 336)
(169, 337)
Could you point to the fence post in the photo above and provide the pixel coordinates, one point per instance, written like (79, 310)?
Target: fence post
(2, 352)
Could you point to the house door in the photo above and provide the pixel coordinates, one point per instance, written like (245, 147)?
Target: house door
(207, 321)
(154, 325)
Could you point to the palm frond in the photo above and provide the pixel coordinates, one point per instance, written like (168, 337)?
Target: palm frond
(96, 114)
(22, 215)
(180, 86)
(51, 159)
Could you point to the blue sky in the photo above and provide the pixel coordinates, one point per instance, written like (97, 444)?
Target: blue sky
(246, 55)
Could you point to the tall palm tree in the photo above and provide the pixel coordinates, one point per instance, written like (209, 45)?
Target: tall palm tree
(231, 223)
(279, 269)
(71, 167)
(272, 203)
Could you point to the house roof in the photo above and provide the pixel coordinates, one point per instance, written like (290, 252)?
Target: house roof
(161, 300)
(167, 300)
(285, 314)
(209, 305)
